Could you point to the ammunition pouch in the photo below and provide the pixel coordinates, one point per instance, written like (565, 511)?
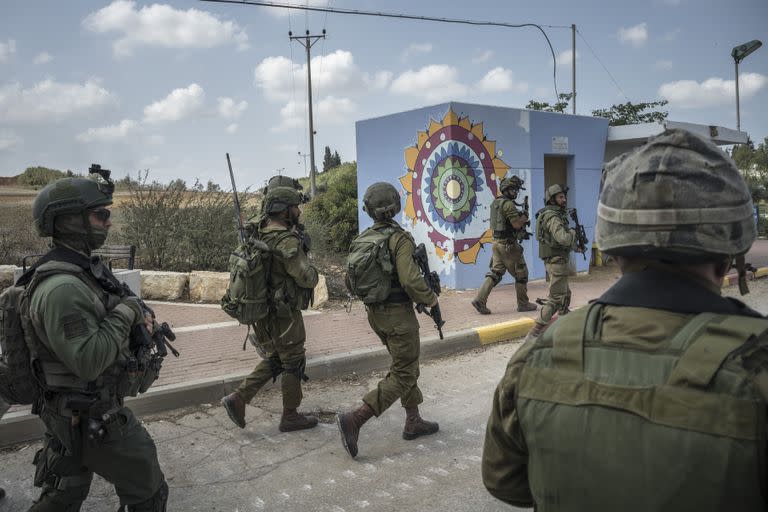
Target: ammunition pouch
(53, 465)
(275, 366)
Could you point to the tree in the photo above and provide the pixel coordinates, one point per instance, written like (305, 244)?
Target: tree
(39, 176)
(564, 99)
(336, 159)
(753, 163)
(327, 159)
(212, 186)
(630, 113)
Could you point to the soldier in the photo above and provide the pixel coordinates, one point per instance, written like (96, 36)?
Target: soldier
(77, 325)
(281, 335)
(508, 225)
(556, 241)
(393, 320)
(653, 397)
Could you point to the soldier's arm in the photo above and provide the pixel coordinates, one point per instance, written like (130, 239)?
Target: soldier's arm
(402, 247)
(85, 345)
(515, 217)
(297, 263)
(505, 454)
(561, 233)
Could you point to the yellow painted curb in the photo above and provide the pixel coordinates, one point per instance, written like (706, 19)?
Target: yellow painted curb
(504, 331)
(761, 272)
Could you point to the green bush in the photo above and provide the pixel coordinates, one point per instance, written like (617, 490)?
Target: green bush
(331, 216)
(40, 176)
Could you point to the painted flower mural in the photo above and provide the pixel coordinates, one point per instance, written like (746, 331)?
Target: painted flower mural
(452, 178)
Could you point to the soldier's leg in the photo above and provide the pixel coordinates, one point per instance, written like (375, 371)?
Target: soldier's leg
(127, 458)
(519, 270)
(492, 278)
(290, 348)
(558, 290)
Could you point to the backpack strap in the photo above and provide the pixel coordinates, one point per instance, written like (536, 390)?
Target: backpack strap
(584, 325)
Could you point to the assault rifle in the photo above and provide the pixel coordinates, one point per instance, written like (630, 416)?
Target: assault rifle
(433, 282)
(524, 234)
(238, 212)
(581, 235)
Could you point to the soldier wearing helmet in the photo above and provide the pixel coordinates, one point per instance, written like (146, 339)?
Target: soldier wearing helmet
(659, 384)
(556, 241)
(388, 287)
(77, 324)
(508, 225)
(281, 336)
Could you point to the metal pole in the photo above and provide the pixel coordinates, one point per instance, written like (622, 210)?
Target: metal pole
(312, 189)
(738, 114)
(573, 66)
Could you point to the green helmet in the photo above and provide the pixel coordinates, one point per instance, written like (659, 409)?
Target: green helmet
(381, 201)
(511, 182)
(280, 199)
(678, 197)
(68, 196)
(553, 190)
(286, 181)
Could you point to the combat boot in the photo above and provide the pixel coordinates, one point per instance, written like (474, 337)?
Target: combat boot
(528, 306)
(349, 426)
(292, 420)
(535, 332)
(481, 307)
(416, 426)
(235, 407)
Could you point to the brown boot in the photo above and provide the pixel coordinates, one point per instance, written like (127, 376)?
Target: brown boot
(416, 426)
(235, 407)
(535, 332)
(292, 420)
(481, 307)
(528, 306)
(349, 426)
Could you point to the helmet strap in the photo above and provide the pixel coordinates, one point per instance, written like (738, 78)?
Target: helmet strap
(741, 268)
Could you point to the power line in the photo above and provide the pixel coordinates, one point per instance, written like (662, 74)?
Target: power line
(603, 65)
(355, 12)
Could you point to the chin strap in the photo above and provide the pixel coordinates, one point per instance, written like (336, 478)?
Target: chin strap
(741, 268)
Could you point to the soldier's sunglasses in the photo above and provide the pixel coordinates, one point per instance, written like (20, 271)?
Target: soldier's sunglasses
(102, 214)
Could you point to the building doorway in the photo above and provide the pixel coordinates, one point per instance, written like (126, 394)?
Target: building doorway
(555, 171)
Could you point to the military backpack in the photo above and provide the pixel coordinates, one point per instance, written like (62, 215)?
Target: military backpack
(248, 298)
(369, 265)
(17, 382)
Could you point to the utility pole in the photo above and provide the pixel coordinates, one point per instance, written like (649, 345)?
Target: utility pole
(573, 66)
(304, 155)
(307, 41)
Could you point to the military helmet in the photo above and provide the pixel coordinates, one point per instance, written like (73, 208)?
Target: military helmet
(678, 197)
(280, 199)
(381, 200)
(286, 181)
(511, 182)
(553, 190)
(68, 196)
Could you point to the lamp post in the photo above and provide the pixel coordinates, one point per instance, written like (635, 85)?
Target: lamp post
(739, 53)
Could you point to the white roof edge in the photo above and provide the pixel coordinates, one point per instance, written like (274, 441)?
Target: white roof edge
(639, 133)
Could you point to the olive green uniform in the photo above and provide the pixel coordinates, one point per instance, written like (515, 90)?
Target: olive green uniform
(556, 241)
(617, 406)
(84, 330)
(507, 253)
(394, 322)
(281, 334)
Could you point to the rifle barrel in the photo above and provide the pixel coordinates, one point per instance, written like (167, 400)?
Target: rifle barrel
(240, 228)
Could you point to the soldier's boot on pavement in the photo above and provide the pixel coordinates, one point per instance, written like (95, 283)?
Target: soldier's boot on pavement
(349, 424)
(235, 407)
(292, 420)
(482, 296)
(481, 307)
(416, 426)
(535, 332)
(528, 306)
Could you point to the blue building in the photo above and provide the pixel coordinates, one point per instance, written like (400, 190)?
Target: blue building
(447, 161)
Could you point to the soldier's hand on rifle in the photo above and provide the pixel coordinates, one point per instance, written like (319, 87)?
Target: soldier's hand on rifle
(434, 303)
(149, 322)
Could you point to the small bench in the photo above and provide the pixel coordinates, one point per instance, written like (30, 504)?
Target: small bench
(108, 253)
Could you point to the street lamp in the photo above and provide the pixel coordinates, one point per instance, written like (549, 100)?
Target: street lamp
(739, 53)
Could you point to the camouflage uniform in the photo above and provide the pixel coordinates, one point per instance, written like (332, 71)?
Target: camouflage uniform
(394, 322)
(657, 390)
(508, 225)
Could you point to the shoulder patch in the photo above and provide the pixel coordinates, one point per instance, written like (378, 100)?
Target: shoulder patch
(74, 325)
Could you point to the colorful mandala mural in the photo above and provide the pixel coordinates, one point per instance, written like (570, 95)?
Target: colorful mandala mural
(452, 179)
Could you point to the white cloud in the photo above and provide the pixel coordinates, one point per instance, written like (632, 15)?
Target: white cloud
(436, 82)
(7, 49)
(178, 105)
(499, 80)
(229, 109)
(483, 57)
(331, 109)
(9, 140)
(43, 58)
(49, 100)
(232, 128)
(162, 25)
(636, 35)
(278, 77)
(710, 92)
(565, 57)
(417, 49)
(664, 64)
(108, 133)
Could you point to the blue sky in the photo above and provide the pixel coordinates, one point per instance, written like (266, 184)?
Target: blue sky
(171, 86)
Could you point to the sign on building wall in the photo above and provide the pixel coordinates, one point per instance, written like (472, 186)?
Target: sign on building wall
(560, 145)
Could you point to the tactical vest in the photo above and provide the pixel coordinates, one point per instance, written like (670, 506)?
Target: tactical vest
(682, 427)
(371, 269)
(500, 225)
(287, 296)
(53, 375)
(548, 247)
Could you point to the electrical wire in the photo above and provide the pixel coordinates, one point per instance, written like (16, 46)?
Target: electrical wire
(297, 128)
(355, 12)
(603, 65)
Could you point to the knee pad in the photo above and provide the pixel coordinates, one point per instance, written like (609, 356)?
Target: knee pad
(298, 371)
(494, 277)
(156, 503)
(275, 366)
(521, 280)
